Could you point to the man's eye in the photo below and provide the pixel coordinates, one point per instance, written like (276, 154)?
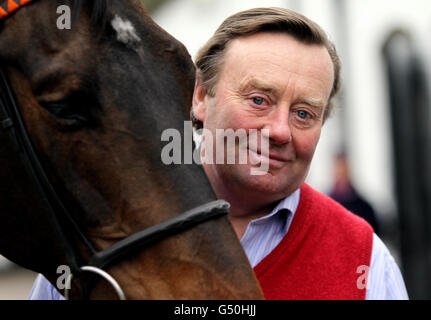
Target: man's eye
(258, 101)
(302, 114)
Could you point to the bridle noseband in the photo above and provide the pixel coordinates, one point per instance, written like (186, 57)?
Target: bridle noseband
(12, 123)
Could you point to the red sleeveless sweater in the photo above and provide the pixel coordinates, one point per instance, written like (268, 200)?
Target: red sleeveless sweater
(320, 255)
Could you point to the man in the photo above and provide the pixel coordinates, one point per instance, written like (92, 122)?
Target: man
(274, 71)
(346, 194)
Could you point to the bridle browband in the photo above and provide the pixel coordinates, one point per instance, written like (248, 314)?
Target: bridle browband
(12, 123)
(7, 7)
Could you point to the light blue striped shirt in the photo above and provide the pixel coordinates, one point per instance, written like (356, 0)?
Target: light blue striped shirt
(262, 235)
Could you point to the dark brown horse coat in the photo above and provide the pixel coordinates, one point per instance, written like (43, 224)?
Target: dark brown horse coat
(95, 105)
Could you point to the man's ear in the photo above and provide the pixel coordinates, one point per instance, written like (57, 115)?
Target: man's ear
(199, 101)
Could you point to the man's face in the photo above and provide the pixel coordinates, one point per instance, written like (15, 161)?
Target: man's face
(268, 81)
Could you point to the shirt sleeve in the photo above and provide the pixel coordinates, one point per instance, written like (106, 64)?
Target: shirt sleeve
(385, 281)
(44, 290)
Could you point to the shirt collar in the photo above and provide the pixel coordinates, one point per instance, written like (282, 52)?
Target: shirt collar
(284, 211)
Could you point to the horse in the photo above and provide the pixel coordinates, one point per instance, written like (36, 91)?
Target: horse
(80, 167)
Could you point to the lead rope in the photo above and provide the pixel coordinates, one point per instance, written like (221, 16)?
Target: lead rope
(101, 273)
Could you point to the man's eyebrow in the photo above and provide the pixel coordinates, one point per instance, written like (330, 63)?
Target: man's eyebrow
(314, 102)
(259, 85)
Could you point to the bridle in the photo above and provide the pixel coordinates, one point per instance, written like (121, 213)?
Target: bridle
(12, 124)
(9, 6)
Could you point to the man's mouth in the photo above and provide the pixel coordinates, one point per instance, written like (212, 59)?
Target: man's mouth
(273, 159)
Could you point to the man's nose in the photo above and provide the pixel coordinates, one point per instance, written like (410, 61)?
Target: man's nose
(278, 125)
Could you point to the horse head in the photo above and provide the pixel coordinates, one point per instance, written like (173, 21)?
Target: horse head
(95, 100)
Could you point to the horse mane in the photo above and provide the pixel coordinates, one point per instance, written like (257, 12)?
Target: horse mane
(99, 11)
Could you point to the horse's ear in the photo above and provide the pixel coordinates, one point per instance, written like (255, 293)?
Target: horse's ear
(200, 100)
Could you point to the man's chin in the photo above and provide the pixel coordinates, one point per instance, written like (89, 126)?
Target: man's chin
(268, 183)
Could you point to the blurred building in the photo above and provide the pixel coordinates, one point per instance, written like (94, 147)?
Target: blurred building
(383, 113)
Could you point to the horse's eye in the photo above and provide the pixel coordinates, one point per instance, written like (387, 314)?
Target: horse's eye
(61, 110)
(71, 111)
